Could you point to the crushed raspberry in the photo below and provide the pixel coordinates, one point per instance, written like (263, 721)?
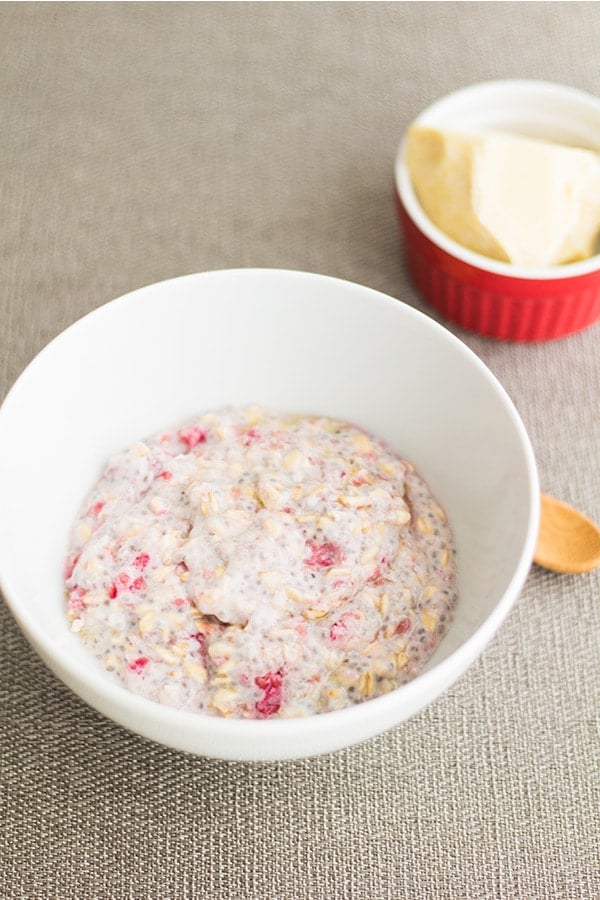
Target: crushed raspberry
(139, 584)
(403, 626)
(166, 476)
(70, 565)
(201, 639)
(250, 436)
(377, 577)
(95, 509)
(338, 631)
(141, 561)
(270, 680)
(288, 510)
(323, 556)
(270, 704)
(342, 629)
(360, 479)
(271, 684)
(192, 436)
(139, 664)
(121, 581)
(76, 598)
(179, 601)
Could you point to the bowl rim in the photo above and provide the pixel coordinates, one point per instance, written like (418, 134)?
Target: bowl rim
(126, 707)
(414, 210)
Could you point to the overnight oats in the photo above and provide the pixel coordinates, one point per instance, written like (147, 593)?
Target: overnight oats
(256, 565)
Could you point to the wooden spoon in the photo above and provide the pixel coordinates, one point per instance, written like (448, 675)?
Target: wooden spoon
(568, 542)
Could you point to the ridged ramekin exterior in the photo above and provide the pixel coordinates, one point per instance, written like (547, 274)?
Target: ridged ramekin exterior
(498, 306)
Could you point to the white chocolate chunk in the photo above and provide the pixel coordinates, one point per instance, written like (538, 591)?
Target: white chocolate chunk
(525, 201)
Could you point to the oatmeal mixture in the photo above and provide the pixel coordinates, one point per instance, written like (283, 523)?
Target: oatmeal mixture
(256, 565)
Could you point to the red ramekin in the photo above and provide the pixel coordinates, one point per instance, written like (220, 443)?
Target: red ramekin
(493, 298)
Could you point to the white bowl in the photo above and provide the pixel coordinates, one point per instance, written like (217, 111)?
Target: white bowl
(290, 341)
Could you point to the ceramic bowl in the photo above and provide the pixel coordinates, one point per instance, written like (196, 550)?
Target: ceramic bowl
(493, 298)
(290, 341)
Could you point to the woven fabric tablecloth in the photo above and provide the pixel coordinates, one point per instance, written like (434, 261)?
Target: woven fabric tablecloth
(143, 141)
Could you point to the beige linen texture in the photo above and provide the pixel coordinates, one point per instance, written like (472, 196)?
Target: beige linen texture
(143, 141)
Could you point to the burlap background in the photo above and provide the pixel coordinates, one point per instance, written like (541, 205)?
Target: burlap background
(141, 141)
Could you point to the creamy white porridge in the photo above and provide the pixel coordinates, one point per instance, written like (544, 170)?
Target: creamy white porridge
(256, 565)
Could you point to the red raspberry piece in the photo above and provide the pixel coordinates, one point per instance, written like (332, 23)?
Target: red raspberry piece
(323, 556)
(138, 585)
(342, 629)
(271, 684)
(141, 561)
(201, 639)
(377, 577)
(70, 565)
(76, 598)
(403, 626)
(95, 509)
(269, 705)
(270, 680)
(338, 631)
(250, 436)
(166, 476)
(192, 436)
(139, 664)
(121, 581)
